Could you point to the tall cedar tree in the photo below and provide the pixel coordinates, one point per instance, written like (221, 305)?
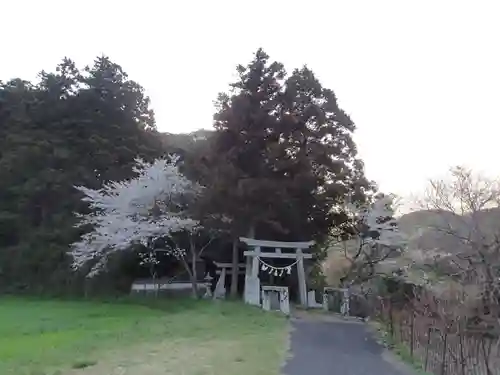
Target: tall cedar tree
(282, 156)
(315, 150)
(70, 128)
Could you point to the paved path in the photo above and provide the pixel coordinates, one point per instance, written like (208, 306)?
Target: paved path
(336, 347)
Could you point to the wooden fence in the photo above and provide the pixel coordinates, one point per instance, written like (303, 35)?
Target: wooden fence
(436, 351)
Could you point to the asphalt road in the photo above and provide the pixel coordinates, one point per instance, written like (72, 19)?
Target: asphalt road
(338, 348)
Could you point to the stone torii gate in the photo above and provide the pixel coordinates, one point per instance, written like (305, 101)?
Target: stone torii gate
(252, 281)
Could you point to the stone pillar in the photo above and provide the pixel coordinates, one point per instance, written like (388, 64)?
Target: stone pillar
(252, 282)
(311, 300)
(301, 278)
(220, 287)
(248, 274)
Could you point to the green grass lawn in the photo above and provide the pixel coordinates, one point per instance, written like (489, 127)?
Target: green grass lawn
(169, 336)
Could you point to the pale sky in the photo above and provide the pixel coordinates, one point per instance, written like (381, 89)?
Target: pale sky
(421, 79)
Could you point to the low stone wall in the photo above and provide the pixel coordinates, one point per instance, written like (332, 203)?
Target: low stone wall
(163, 287)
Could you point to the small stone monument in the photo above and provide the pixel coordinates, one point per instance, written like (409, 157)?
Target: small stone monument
(269, 294)
(208, 290)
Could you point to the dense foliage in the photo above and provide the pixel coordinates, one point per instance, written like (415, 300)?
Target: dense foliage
(283, 155)
(70, 128)
(280, 164)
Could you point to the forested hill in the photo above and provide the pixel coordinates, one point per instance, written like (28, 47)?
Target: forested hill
(281, 158)
(427, 229)
(72, 127)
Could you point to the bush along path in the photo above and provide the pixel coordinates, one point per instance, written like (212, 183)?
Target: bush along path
(325, 345)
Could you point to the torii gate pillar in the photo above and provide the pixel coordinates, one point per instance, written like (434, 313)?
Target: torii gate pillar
(252, 282)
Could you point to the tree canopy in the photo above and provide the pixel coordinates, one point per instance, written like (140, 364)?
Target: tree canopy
(71, 127)
(282, 154)
(280, 163)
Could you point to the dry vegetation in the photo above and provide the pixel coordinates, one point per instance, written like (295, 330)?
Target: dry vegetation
(425, 332)
(452, 325)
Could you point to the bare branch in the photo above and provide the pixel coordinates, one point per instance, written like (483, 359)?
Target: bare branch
(465, 226)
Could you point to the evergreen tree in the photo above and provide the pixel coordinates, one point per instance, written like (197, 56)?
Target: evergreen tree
(316, 151)
(282, 156)
(70, 128)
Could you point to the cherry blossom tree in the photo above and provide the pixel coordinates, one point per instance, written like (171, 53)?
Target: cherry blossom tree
(150, 261)
(368, 238)
(372, 237)
(137, 211)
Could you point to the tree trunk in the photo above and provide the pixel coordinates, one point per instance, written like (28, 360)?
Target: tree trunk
(194, 272)
(194, 283)
(234, 268)
(486, 356)
(235, 261)
(192, 277)
(155, 281)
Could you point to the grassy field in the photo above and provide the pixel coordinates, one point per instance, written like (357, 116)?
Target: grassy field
(181, 337)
